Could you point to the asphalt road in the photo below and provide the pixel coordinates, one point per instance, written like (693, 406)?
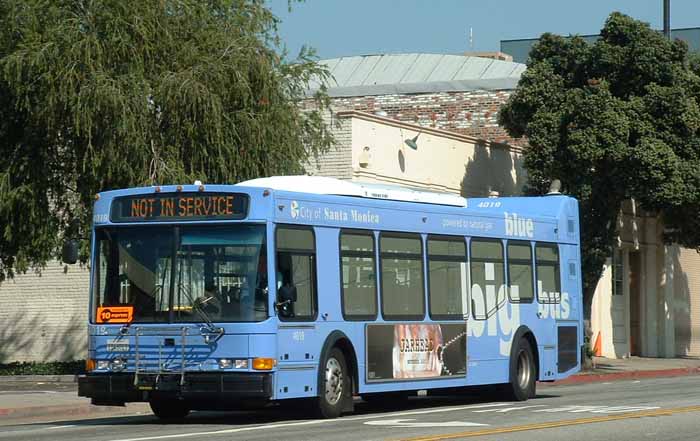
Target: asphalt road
(654, 409)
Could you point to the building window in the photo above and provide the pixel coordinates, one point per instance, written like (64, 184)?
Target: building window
(521, 288)
(358, 276)
(296, 273)
(447, 277)
(617, 272)
(487, 277)
(548, 277)
(402, 277)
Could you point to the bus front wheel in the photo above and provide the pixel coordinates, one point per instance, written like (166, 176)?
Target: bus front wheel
(169, 409)
(334, 384)
(522, 372)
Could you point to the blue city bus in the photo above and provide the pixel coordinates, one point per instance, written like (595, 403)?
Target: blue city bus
(216, 297)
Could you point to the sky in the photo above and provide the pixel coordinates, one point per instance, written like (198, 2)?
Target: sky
(337, 28)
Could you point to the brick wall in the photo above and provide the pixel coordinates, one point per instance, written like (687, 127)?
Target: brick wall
(473, 113)
(43, 317)
(336, 162)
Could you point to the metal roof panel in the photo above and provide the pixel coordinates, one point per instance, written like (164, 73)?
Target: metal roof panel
(446, 68)
(421, 68)
(473, 68)
(498, 69)
(418, 72)
(391, 69)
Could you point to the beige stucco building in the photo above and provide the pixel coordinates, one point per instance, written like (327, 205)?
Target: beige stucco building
(647, 302)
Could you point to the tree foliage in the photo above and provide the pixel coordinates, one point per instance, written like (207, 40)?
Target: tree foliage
(613, 120)
(103, 94)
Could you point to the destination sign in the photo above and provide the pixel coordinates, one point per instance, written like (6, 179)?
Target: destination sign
(180, 206)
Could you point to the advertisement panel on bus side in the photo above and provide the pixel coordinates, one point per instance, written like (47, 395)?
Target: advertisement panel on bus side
(416, 350)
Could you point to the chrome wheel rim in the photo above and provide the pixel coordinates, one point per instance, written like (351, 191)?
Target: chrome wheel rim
(524, 370)
(334, 381)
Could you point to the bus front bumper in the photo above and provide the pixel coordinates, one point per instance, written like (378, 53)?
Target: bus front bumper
(119, 388)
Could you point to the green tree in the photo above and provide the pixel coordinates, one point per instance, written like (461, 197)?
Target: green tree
(103, 94)
(613, 120)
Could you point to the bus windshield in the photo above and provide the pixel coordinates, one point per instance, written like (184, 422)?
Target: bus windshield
(181, 274)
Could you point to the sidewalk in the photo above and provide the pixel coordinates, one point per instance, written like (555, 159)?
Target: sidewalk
(611, 369)
(35, 397)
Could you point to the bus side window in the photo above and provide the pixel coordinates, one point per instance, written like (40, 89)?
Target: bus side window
(548, 278)
(520, 286)
(358, 275)
(403, 295)
(447, 277)
(487, 277)
(296, 264)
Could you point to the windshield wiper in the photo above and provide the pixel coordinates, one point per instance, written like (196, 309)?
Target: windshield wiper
(208, 330)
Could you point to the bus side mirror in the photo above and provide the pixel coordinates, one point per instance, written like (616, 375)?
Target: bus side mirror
(287, 293)
(69, 252)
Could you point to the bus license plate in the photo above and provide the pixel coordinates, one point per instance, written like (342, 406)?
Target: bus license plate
(118, 345)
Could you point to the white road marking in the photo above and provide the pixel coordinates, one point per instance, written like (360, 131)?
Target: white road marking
(414, 423)
(62, 427)
(399, 422)
(422, 412)
(219, 432)
(508, 409)
(570, 409)
(311, 422)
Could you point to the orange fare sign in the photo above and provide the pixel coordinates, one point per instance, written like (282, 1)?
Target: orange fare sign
(115, 314)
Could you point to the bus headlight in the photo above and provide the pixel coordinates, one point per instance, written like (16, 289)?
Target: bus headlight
(102, 365)
(227, 363)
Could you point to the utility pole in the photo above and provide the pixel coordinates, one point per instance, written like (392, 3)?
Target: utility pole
(667, 19)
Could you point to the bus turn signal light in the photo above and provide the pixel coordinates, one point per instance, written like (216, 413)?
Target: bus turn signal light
(263, 364)
(90, 365)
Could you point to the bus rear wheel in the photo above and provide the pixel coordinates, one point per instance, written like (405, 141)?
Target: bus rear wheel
(522, 372)
(335, 384)
(169, 409)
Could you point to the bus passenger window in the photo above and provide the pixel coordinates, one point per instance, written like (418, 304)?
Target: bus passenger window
(520, 272)
(296, 273)
(358, 276)
(548, 279)
(447, 276)
(487, 277)
(402, 277)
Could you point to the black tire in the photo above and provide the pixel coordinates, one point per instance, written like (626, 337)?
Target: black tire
(334, 384)
(522, 372)
(170, 409)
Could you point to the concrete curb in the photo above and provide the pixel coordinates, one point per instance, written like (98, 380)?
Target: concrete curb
(38, 379)
(626, 375)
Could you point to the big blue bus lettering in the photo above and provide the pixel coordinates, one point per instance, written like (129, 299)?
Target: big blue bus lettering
(255, 293)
